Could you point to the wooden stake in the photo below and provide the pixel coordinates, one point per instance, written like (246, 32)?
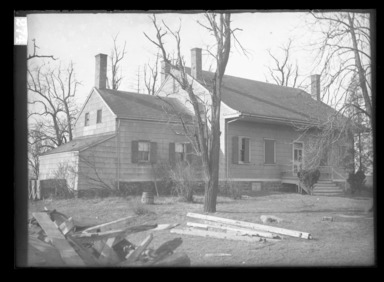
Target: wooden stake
(217, 235)
(251, 225)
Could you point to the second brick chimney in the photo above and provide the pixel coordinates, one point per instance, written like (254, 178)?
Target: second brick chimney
(315, 87)
(196, 63)
(101, 71)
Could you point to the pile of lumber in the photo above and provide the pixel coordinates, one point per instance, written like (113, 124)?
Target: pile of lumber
(224, 228)
(55, 240)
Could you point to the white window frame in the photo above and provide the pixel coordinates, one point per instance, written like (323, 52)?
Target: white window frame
(274, 151)
(138, 152)
(184, 152)
(293, 154)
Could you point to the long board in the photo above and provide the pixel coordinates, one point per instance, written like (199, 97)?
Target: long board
(67, 253)
(252, 225)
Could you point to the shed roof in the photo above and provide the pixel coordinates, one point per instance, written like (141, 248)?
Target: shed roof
(134, 105)
(80, 143)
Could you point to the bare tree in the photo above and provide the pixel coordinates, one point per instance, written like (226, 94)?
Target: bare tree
(53, 100)
(284, 72)
(151, 76)
(344, 51)
(117, 55)
(208, 145)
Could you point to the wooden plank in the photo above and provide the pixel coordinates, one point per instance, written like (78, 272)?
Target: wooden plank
(112, 225)
(67, 226)
(251, 225)
(86, 256)
(38, 250)
(216, 235)
(68, 254)
(108, 255)
(132, 257)
(237, 230)
(119, 234)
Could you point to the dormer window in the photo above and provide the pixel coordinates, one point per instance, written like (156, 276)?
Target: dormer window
(99, 116)
(86, 120)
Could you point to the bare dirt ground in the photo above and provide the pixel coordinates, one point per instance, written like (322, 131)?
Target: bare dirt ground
(348, 240)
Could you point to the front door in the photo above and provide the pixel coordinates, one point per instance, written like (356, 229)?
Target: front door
(297, 157)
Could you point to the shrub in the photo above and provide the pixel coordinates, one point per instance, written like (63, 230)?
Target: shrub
(139, 209)
(356, 180)
(182, 176)
(230, 189)
(309, 177)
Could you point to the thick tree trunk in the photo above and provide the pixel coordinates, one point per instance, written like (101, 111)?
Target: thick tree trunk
(360, 69)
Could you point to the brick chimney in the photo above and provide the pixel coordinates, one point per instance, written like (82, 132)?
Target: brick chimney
(165, 69)
(315, 87)
(101, 71)
(196, 63)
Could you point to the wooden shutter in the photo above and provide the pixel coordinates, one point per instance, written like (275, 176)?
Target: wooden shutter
(269, 151)
(153, 153)
(235, 149)
(189, 153)
(135, 151)
(246, 154)
(172, 159)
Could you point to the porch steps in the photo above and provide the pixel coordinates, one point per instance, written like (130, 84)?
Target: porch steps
(326, 188)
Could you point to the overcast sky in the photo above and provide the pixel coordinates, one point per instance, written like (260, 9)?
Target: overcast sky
(79, 37)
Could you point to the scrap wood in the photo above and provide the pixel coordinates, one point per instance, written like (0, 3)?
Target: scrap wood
(112, 225)
(255, 226)
(86, 255)
(40, 249)
(68, 254)
(108, 255)
(166, 226)
(217, 235)
(120, 234)
(233, 229)
(133, 256)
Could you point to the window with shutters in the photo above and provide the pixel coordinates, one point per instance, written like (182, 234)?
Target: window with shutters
(86, 119)
(242, 155)
(180, 151)
(269, 151)
(143, 151)
(99, 116)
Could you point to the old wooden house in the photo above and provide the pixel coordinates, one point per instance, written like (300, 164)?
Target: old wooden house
(262, 140)
(119, 136)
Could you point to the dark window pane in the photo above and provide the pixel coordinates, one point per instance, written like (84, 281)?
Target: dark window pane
(269, 151)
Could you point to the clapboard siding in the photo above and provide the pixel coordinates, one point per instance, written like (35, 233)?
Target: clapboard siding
(103, 158)
(93, 104)
(283, 136)
(161, 133)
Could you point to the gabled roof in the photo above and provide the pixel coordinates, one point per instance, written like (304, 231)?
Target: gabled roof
(80, 143)
(141, 106)
(251, 97)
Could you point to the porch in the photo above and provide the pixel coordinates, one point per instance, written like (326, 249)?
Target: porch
(327, 175)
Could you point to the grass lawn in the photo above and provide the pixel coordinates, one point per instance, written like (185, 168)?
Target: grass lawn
(348, 240)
